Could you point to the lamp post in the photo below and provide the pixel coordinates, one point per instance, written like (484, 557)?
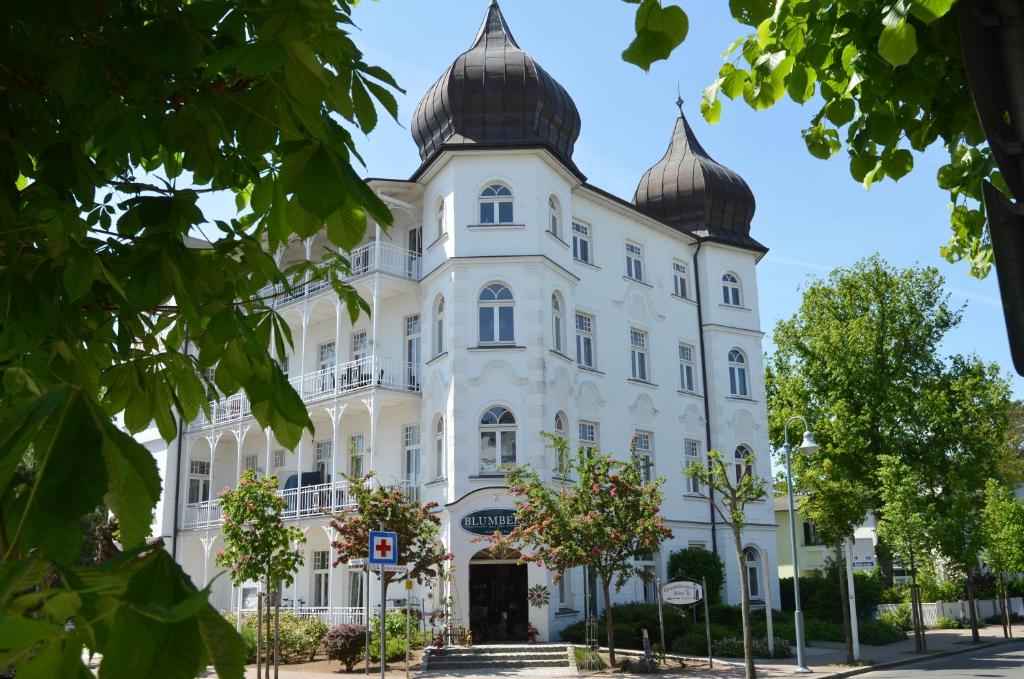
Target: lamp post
(808, 446)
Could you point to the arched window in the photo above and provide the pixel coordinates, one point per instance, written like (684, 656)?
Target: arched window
(738, 383)
(497, 439)
(731, 290)
(743, 458)
(438, 327)
(554, 217)
(440, 218)
(496, 321)
(752, 572)
(496, 205)
(439, 456)
(561, 427)
(557, 323)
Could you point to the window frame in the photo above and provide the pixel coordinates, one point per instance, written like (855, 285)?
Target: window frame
(440, 220)
(495, 201)
(496, 305)
(639, 355)
(732, 290)
(554, 216)
(691, 454)
(586, 337)
(687, 368)
(437, 327)
(635, 261)
(739, 374)
(582, 242)
(503, 432)
(558, 322)
(439, 452)
(680, 279)
(643, 453)
(740, 466)
(592, 441)
(561, 430)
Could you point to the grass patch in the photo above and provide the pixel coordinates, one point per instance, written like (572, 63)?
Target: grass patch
(588, 659)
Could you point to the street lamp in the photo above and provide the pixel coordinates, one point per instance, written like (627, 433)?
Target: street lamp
(808, 447)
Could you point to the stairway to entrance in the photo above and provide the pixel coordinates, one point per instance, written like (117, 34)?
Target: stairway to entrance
(497, 656)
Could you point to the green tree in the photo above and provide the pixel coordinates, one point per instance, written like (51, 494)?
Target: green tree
(116, 118)
(861, 358)
(906, 523)
(603, 521)
(886, 77)
(258, 546)
(1003, 537)
(695, 564)
(735, 492)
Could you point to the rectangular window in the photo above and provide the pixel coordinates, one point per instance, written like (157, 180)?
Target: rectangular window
(691, 451)
(811, 536)
(199, 481)
(199, 467)
(643, 455)
(634, 261)
(278, 459)
(588, 435)
(679, 278)
(564, 591)
(325, 355)
(250, 462)
(638, 354)
(686, 367)
(439, 461)
(585, 340)
(411, 462)
(355, 455)
(359, 345)
(581, 248)
(696, 545)
(324, 452)
(321, 560)
(355, 589)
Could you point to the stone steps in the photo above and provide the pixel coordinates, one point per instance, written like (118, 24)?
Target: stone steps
(497, 656)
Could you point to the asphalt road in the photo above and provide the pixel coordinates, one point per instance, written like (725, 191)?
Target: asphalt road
(1001, 662)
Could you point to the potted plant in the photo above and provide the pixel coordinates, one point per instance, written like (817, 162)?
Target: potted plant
(532, 632)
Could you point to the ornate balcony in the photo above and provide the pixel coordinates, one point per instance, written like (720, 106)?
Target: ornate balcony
(300, 503)
(375, 257)
(345, 378)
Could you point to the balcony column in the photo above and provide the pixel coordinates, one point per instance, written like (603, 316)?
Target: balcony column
(207, 541)
(238, 453)
(329, 532)
(187, 472)
(268, 467)
(302, 390)
(335, 411)
(371, 407)
(336, 380)
(214, 440)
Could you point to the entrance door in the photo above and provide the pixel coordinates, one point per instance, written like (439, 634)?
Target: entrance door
(497, 601)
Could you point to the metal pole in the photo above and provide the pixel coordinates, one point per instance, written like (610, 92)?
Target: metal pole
(277, 631)
(851, 593)
(798, 615)
(661, 618)
(366, 598)
(383, 627)
(408, 594)
(707, 621)
(259, 634)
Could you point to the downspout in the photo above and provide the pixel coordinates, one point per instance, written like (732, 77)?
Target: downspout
(704, 379)
(177, 482)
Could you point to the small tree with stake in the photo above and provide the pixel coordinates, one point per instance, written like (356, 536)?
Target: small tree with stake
(608, 518)
(736, 492)
(376, 505)
(1003, 538)
(258, 546)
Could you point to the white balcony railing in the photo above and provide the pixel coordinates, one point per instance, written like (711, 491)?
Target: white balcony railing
(334, 615)
(344, 378)
(299, 503)
(376, 257)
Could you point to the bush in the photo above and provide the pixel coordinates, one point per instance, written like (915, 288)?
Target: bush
(732, 647)
(897, 594)
(588, 659)
(899, 618)
(879, 633)
(249, 638)
(300, 637)
(694, 564)
(820, 630)
(942, 622)
(345, 643)
(629, 620)
(819, 594)
(394, 624)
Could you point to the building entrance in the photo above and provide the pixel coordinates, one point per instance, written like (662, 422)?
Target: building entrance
(498, 608)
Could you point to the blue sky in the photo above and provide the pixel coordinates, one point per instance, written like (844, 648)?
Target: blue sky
(810, 213)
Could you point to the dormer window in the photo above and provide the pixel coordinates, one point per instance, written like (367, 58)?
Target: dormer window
(496, 205)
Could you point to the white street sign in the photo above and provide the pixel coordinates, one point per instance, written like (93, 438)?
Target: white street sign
(390, 568)
(682, 592)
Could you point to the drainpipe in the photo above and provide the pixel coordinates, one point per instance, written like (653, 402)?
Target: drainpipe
(704, 379)
(177, 481)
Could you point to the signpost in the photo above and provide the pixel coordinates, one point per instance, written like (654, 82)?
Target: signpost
(686, 593)
(384, 555)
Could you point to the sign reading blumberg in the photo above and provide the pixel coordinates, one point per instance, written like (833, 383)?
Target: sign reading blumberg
(486, 521)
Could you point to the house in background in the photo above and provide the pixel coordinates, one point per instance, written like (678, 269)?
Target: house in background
(811, 551)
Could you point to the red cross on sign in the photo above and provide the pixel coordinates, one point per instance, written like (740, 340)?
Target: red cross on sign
(383, 547)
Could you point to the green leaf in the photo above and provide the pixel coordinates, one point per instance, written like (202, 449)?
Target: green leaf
(898, 44)
(320, 190)
(898, 163)
(659, 30)
(262, 57)
(840, 111)
(712, 111)
(930, 10)
(821, 142)
(732, 79)
(751, 12)
(800, 83)
(366, 113)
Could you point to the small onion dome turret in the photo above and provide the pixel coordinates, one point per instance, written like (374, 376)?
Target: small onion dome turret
(495, 95)
(693, 193)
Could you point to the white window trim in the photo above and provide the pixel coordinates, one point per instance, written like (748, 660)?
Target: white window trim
(634, 261)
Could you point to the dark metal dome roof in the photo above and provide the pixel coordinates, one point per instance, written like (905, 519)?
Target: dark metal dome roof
(693, 193)
(494, 94)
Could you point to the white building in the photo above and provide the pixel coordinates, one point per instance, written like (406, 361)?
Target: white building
(509, 298)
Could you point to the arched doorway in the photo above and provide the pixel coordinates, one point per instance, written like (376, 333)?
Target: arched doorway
(498, 608)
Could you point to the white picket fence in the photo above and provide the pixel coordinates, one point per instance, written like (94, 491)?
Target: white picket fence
(984, 608)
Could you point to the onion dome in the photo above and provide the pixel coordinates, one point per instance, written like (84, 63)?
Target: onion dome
(693, 193)
(495, 95)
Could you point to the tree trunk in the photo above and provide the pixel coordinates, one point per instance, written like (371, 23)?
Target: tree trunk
(844, 603)
(606, 584)
(1004, 607)
(270, 634)
(748, 641)
(884, 558)
(975, 637)
(914, 612)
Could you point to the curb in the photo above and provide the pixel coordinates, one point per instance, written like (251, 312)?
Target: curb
(909, 661)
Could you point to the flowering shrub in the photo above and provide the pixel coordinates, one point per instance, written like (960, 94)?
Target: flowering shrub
(345, 643)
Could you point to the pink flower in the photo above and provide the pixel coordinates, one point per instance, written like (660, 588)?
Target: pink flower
(595, 551)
